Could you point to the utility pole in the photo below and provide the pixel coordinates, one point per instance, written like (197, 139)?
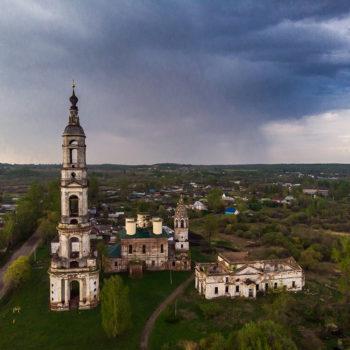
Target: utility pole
(175, 311)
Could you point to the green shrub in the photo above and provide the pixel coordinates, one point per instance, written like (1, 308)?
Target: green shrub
(18, 272)
(210, 309)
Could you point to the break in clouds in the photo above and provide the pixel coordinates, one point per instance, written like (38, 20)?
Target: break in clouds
(182, 81)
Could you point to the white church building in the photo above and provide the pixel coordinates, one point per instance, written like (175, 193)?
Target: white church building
(234, 275)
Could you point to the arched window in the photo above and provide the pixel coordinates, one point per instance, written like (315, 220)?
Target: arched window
(74, 294)
(73, 206)
(182, 223)
(73, 155)
(73, 264)
(74, 252)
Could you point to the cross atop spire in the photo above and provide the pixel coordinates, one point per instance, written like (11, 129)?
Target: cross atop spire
(73, 99)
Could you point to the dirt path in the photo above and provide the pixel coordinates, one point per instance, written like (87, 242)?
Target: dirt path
(27, 248)
(337, 233)
(150, 322)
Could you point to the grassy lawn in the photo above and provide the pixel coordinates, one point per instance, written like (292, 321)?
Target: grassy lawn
(35, 327)
(194, 323)
(197, 317)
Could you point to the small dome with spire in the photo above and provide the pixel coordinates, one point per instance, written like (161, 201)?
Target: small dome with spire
(73, 128)
(181, 211)
(73, 100)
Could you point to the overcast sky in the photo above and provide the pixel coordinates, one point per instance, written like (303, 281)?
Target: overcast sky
(198, 82)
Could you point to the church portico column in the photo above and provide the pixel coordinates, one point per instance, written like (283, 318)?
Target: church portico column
(66, 291)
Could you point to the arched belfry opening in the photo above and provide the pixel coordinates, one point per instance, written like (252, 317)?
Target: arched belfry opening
(73, 206)
(74, 294)
(73, 155)
(73, 152)
(74, 247)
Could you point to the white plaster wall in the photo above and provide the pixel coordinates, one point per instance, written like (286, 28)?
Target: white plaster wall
(55, 289)
(54, 247)
(181, 234)
(283, 279)
(93, 288)
(66, 174)
(85, 249)
(185, 245)
(64, 246)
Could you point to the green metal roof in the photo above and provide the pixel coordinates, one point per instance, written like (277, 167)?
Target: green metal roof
(113, 251)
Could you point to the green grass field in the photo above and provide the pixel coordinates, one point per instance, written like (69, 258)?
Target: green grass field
(197, 317)
(35, 327)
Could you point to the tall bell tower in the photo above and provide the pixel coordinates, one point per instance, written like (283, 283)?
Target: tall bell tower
(74, 276)
(181, 225)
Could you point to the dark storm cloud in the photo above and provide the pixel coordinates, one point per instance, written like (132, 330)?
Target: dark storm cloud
(190, 81)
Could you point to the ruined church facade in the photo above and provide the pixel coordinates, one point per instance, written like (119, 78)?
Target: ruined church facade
(144, 244)
(234, 275)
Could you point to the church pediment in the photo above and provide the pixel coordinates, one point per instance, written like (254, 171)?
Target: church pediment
(247, 270)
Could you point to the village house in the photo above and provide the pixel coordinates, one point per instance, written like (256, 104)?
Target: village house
(198, 205)
(316, 192)
(234, 275)
(227, 198)
(231, 211)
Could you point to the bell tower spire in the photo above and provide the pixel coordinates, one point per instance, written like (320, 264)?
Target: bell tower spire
(73, 110)
(181, 225)
(74, 274)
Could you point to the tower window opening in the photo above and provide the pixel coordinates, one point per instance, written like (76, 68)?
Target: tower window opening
(162, 248)
(143, 249)
(73, 175)
(73, 155)
(182, 223)
(73, 206)
(74, 253)
(130, 249)
(73, 264)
